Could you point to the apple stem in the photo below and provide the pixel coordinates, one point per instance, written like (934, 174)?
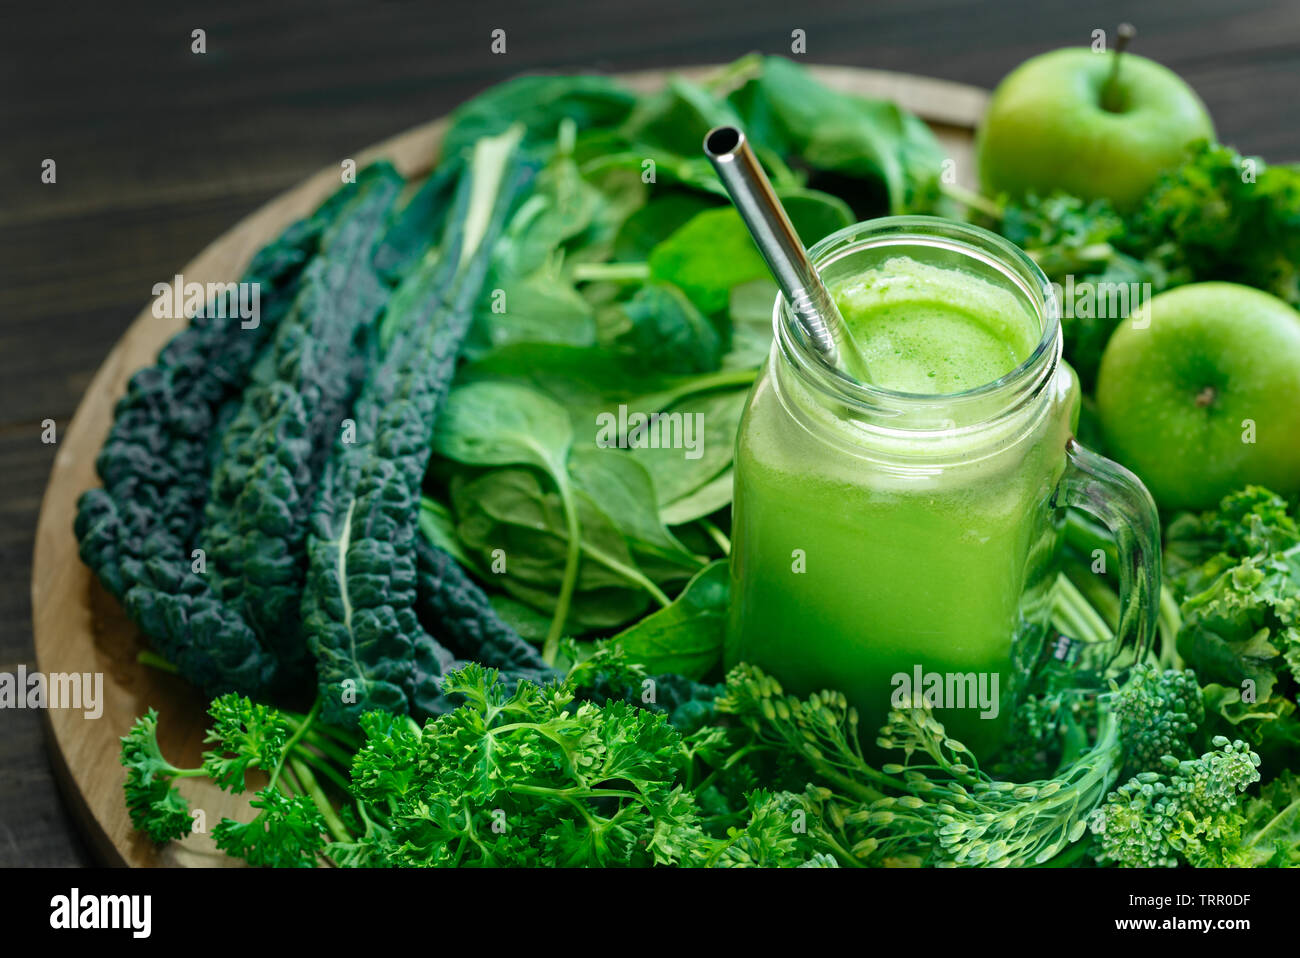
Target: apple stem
(1110, 92)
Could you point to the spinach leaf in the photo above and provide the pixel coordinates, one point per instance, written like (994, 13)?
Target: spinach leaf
(523, 618)
(498, 424)
(540, 103)
(624, 490)
(656, 221)
(750, 308)
(668, 333)
(677, 117)
(785, 108)
(815, 214)
(542, 307)
(690, 172)
(713, 252)
(674, 474)
(687, 637)
(438, 525)
(707, 257)
(591, 382)
(561, 208)
(509, 510)
(704, 501)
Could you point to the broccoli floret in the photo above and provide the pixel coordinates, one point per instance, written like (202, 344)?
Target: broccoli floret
(1188, 814)
(1157, 713)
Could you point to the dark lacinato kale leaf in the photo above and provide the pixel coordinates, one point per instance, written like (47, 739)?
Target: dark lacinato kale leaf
(359, 605)
(274, 448)
(452, 607)
(416, 226)
(138, 531)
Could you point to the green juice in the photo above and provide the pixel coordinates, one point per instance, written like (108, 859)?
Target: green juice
(861, 555)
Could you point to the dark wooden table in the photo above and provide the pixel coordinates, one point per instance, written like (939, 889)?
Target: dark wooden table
(159, 150)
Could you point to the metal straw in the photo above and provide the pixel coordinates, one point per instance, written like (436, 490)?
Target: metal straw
(757, 203)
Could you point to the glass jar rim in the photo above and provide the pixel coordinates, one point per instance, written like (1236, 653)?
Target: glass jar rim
(979, 243)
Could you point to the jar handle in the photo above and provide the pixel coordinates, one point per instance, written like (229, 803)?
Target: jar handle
(1115, 496)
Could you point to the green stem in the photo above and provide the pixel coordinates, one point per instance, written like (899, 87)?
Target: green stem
(1079, 613)
(156, 661)
(1110, 96)
(1092, 586)
(575, 793)
(844, 855)
(1168, 625)
(329, 748)
(611, 272)
(722, 379)
(299, 732)
(347, 739)
(1086, 536)
(322, 802)
(570, 581)
(287, 783)
(972, 200)
(322, 766)
(634, 575)
(717, 535)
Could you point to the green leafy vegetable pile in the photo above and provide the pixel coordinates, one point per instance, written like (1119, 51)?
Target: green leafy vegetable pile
(427, 494)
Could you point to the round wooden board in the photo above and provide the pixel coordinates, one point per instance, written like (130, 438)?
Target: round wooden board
(80, 628)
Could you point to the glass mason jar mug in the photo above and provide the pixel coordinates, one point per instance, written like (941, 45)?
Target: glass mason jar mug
(896, 543)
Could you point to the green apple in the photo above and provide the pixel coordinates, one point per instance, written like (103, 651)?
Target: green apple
(1055, 123)
(1199, 393)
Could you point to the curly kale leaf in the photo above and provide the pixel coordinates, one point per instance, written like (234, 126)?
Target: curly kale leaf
(1271, 833)
(359, 606)
(1223, 216)
(1079, 244)
(1218, 216)
(1250, 522)
(1239, 569)
(272, 451)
